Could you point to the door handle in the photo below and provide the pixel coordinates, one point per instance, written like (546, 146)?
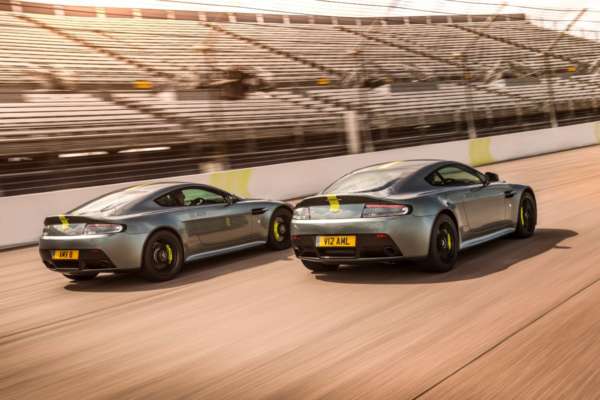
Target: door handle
(257, 211)
(509, 193)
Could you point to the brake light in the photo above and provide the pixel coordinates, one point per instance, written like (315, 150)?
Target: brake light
(385, 210)
(301, 213)
(102, 229)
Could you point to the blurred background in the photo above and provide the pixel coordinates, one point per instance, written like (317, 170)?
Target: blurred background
(97, 92)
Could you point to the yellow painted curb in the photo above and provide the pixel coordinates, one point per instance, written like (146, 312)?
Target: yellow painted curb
(597, 129)
(480, 151)
(235, 181)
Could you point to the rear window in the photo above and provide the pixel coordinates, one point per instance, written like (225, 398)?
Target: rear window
(368, 181)
(112, 202)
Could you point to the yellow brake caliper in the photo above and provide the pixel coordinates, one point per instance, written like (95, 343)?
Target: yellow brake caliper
(169, 254)
(276, 231)
(449, 241)
(522, 217)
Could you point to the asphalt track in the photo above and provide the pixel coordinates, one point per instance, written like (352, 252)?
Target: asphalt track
(515, 319)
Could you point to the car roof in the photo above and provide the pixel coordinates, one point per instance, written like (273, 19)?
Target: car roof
(156, 185)
(413, 165)
(414, 171)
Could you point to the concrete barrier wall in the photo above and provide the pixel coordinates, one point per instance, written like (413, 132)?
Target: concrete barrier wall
(22, 216)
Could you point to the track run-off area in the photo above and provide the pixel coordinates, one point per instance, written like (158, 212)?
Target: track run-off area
(514, 319)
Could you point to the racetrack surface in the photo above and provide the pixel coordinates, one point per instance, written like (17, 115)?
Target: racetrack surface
(515, 319)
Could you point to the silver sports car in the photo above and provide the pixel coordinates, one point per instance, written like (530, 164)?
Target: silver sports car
(417, 209)
(157, 227)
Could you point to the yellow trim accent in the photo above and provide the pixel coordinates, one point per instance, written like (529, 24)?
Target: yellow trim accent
(334, 203)
(522, 216)
(276, 234)
(449, 241)
(64, 221)
(480, 151)
(235, 181)
(169, 253)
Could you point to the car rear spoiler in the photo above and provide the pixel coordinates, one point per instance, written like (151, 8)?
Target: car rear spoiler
(328, 199)
(73, 219)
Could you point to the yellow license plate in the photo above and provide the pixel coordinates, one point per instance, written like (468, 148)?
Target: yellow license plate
(65, 255)
(336, 241)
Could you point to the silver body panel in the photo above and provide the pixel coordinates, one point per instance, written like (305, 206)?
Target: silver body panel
(410, 233)
(482, 212)
(205, 230)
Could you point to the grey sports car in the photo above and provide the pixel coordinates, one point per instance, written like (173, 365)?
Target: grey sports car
(418, 209)
(157, 227)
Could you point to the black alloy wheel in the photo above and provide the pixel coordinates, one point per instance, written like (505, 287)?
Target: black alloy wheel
(443, 246)
(163, 256)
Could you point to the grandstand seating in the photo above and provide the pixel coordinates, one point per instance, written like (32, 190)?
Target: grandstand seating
(453, 43)
(255, 116)
(182, 136)
(59, 123)
(301, 117)
(23, 45)
(534, 37)
(169, 46)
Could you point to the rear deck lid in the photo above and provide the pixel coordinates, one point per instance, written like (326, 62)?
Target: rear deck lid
(333, 206)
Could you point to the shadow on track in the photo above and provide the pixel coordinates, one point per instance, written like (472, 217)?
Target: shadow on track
(192, 272)
(474, 263)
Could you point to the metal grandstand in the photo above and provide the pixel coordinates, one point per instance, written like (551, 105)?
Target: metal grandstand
(138, 94)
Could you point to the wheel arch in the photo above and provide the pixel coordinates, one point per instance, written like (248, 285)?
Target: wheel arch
(284, 207)
(450, 213)
(529, 190)
(274, 210)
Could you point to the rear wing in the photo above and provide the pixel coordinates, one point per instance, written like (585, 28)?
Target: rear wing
(333, 199)
(73, 219)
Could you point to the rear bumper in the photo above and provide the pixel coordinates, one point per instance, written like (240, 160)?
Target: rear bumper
(351, 261)
(102, 253)
(407, 237)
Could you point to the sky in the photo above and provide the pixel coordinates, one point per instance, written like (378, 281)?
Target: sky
(558, 17)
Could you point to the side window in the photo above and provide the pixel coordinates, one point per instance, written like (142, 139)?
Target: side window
(172, 199)
(198, 196)
(435, 179)
(190, 197)
(455, 176)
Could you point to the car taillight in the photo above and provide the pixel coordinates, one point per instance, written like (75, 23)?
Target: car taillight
(301, 213)
(102, 229)
(385, 210)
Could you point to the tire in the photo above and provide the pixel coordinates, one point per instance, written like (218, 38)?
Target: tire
(319, 267)
(279, 230)
(162, 257)
(443, 245)
(81, 276)
(526, 216)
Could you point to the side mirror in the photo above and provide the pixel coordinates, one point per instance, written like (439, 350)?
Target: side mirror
(491, 177)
